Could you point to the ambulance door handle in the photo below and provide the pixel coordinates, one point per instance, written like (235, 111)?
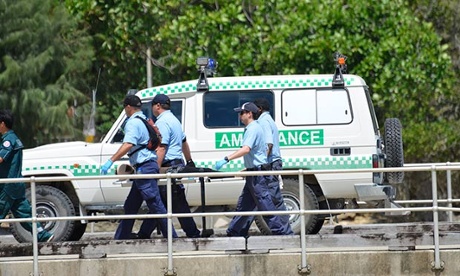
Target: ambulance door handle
(123, 182)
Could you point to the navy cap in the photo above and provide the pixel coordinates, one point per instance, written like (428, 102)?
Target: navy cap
(161, 99)
(248, 106)
(132, 100)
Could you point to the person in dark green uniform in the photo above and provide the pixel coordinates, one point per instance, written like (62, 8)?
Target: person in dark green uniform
(13, 195)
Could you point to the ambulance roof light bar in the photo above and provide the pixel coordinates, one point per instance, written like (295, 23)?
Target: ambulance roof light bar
(340, 68)
(207, 68)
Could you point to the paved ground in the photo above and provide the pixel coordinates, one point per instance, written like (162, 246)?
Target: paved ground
(104, 230)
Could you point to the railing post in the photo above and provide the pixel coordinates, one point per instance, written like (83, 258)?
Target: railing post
(304, 267)
(436, 265)
(449, 194)
(33, 198)
(170, 270)
(92, 224)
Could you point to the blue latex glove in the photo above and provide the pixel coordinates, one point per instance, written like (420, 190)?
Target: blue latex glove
(105, 168)
(220, 163)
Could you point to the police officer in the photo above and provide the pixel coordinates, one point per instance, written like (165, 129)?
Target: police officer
(273, 155)
(255, 192)
(13, 195)
(145, 162)
(173, 146)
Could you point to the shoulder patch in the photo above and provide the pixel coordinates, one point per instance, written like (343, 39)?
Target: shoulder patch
(7, 144)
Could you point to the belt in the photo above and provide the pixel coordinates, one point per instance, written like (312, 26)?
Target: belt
(173, 162)
(277, 164)
(276, 161)
(264, 167)
(138, 165)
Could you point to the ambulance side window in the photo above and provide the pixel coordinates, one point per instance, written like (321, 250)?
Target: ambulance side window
(218, 106)
(176, 109)
(118, 138)
(316, 107)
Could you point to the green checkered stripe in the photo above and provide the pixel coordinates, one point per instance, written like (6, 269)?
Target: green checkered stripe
(329, 162)
(313, 163)
(81, 170)
(232, 166)
(263, 83)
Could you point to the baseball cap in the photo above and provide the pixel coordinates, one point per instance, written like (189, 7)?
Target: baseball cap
(132, 100)
(161, 99)
(262, 103)
(248, 106)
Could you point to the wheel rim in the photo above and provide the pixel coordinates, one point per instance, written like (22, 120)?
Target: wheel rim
(46, 210)
(292, 205)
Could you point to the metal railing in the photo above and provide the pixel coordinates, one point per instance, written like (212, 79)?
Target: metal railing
(304, 267)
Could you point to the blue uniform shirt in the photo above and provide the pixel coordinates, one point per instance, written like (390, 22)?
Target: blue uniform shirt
(271, 135)
(137, 134)
(171, 135)
(255, 139)
(11, 167)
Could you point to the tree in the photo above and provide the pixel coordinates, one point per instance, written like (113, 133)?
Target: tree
(43, 57)
(122, 33)
(402, 58)
(443, 14)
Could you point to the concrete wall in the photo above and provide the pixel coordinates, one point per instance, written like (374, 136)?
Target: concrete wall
(417, 262)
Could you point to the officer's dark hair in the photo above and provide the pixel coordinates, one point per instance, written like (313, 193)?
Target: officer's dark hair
(7, 117)
(262, 103)
(166, 106)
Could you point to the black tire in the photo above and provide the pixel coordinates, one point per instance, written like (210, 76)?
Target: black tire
(393, 150)
(78, 232)
(290, 191)
(51, 202)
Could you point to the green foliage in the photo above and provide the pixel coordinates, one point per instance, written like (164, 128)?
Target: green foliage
(43, 56)
(401, 57)
(122, 33)
(443, 14)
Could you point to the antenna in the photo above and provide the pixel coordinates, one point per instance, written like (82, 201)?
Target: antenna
(90, 129)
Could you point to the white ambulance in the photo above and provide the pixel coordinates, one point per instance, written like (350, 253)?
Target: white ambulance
(325, 122)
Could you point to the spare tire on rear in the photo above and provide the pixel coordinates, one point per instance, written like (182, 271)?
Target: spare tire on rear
(393, 150)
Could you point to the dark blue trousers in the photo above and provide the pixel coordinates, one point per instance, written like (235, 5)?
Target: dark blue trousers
(179, 205)
(277, 199)
(277, 196)
(143, 190)
(255, 194)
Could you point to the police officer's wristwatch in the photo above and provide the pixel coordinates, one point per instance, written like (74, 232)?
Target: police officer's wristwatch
(226, 159)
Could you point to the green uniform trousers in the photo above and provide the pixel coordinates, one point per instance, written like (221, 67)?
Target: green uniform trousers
(20, 208)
